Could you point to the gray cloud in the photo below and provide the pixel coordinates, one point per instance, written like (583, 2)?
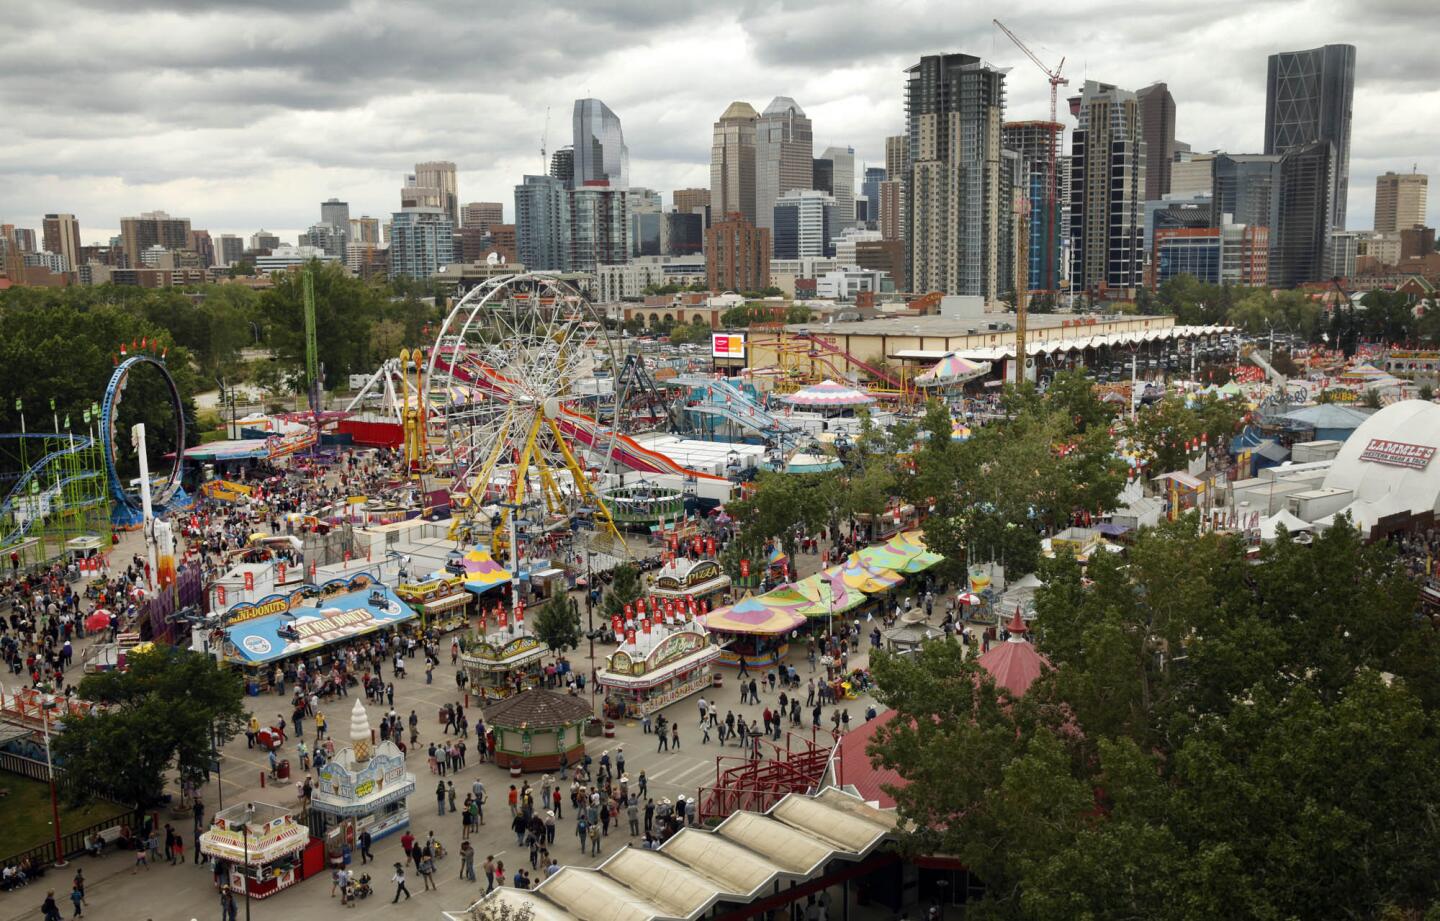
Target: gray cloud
(241, 114)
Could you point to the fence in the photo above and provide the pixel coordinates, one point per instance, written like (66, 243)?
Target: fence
(25, 767)
(72, 842)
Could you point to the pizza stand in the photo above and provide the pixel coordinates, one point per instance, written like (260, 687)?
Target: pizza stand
(257, 635)
(534, 727)
(756, 630)
(363, 788)
(441, 601)
(684, 578)
(656, 667)
(262, 849)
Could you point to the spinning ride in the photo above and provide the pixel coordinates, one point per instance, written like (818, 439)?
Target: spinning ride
(509, 358)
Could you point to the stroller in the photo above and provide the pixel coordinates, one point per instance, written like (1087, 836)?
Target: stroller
(360, 888)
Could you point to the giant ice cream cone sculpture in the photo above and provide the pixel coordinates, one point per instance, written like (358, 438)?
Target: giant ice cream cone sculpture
(360, 733)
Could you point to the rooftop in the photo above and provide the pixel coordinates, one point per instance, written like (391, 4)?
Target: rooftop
(538, 708)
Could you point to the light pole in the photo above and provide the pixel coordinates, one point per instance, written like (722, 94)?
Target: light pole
(45, 708)
(245, 869)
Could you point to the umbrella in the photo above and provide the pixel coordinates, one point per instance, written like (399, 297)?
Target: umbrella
(828, 395)
(968, 598)
(98, 619)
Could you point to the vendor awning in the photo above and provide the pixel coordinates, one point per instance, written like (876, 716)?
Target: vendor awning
(753, 618)
(448, 603)
(332, 805)
(829, 595)
(659, 676)
(482, 573)
(303, 624)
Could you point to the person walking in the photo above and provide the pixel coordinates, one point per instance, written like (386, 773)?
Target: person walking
(48, 909)
(675, 736)
(365, 842)
(489, 868)
(229, 908)
(467, 861)
(77, 898)
(399, 880)
(427, 873)
(440, 798)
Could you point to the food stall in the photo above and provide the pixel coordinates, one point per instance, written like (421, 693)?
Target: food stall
(441, 601)
(684, 578)
(364, 787)
(497, 661)
(652, 670)
(262, 849)
(534, 727)
(756, 631)
(257, 635)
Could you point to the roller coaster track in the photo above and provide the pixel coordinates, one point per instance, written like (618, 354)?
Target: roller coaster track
(11, 533)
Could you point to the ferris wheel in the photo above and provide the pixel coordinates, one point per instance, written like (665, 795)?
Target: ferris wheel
(509, 378)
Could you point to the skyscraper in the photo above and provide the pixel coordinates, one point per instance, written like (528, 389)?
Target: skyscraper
(229, 249)
(1036, 143)
(1244, 187)
(61, 233)
(955, 104)
(732, 162)
(482, 214)
(152, 228)
(842, 182)
(440, 175)
(1157, 115)
(562, 164)
(1308, 97)
(600, 152)
(688, 201)
(365, 229)
(336, 213)
(870, 188)
(422, 241)
(599, 227)
(737, 255)
(542, 221)
(804, 224)
(892, 201)
(1300, 250)
(1399, 203)
(1107, 192)
(783, 151)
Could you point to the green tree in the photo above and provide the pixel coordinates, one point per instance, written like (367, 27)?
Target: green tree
(126, 748)
(558, 624)
(625, 588)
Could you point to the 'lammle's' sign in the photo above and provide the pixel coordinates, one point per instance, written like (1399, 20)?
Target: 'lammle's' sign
(1397, 454)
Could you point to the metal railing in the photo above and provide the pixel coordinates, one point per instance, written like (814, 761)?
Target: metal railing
(71, 843)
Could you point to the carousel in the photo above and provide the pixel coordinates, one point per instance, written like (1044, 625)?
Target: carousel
(262, 849)
(534, 728)
(655, 666)
(755, 632)
(364, 787)
(683, 578)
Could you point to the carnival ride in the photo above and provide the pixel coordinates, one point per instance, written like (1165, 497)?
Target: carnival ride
(506, 359)
(170, 496)
(714, 399)
(57, 492)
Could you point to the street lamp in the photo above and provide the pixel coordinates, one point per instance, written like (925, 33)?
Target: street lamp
(45, 709)
(245, 869)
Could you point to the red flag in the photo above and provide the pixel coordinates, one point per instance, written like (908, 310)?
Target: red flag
(709, 546)
(617, 626)
(744, 569)
(646, 625)
(627, 611)
(220, 594)
(519, 613)
(249, 581)
(630, 636)
(504, 619)
(281, 568)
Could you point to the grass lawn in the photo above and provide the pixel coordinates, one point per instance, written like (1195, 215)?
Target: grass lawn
(26, 807)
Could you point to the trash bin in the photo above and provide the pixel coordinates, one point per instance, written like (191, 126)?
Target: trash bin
(282, 771)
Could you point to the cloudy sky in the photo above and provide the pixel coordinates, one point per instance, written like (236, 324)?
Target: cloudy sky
(243, 115)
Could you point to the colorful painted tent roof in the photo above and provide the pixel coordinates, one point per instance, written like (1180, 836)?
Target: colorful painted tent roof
(751, 617)
(861, 577)
(1014, 664)
(828, 394)
(899, 555)
(776, 556)
(784, 598)
(482, 572)
(952, 369)
(959, 431)
(828, 594)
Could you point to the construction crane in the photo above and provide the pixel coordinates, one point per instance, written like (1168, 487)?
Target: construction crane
(1056, 81)
(544, 143)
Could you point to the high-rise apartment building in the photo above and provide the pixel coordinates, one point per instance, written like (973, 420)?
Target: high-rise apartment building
(1400, 200)
(1157, 116)
(327, 238)
(336, 213)
(842, 182)
(422, 241)
(1244, 187)
(482, 214)
(823, 175)
(1037, 144)
(1300, 245)
(365, 229)
(1107, 192)
(870, 190)
(599, 226)
(783, 151)
(737, 255)
(600, 151)
(61, 233)
(889, 213)
(955, 107)
(1191, 173)
(804, 224)
(562, 165)
(440, 175)
(229, 249)
(732, 162)
(1309, 96)
(152, 228)
(263, 239)
(669, 234)
(692, 201)
(897, 156)
(203, 247)
(542, 223)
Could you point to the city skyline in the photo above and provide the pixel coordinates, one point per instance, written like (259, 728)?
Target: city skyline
(212, 116)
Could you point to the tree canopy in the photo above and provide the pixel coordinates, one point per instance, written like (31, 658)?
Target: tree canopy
(1219, 738)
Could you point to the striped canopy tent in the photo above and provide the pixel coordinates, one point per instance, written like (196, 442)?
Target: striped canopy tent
(959, 431)
(828, 594)
(751, 617)
(952, 370)
(482, 573)
(828, 395)
(784, 598)
(862, 578)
